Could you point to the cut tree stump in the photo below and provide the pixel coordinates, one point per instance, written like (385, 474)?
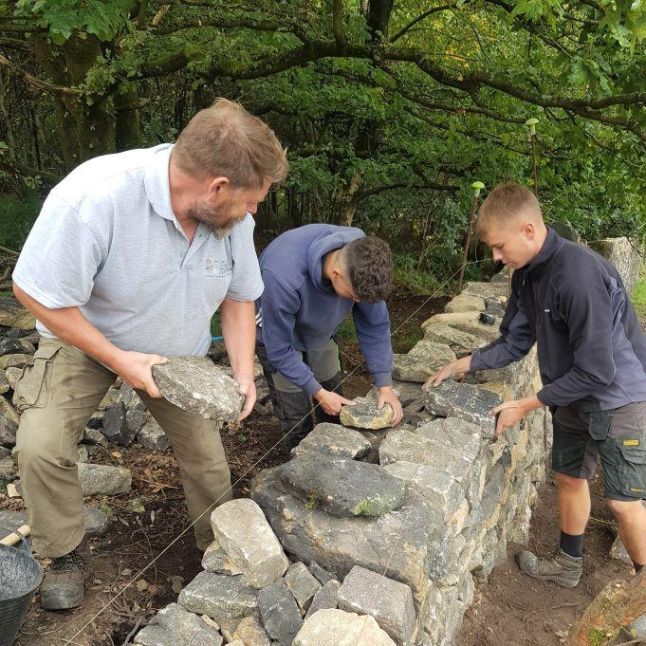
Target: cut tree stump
(617, 605)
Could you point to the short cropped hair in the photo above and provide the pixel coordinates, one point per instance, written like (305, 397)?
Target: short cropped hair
(224, 140)
(369, 264)
(504, 203)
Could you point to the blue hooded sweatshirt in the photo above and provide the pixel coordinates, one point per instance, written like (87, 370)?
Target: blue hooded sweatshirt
(301, 311)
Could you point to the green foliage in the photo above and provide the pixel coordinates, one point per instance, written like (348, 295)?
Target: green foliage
(639, 297)
(17, 214)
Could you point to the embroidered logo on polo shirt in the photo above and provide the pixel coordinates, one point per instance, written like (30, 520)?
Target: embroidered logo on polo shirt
(217, 268)
(631, 442)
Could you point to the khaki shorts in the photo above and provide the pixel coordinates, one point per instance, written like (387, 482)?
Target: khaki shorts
(616, 437)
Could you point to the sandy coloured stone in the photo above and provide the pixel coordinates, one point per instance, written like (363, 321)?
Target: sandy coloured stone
(467, 322)
(103, 479)
(339, 628)
(423, 360)
(466, 303)
(197, 385)
(365, 414)
(242, 530)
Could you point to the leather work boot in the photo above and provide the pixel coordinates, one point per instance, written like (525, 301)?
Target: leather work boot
(64, 582)
(561, 568)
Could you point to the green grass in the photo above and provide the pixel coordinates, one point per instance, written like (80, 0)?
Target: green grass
(639, 295)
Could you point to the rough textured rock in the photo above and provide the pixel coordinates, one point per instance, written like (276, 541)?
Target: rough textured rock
(12, 375)
(8, 469)
(624, 256)
(338, 544)
(326, 598)
(365, 414)
(250, 632)
(280, 614)
(339, 628)
(462, 343)
(226, 599)
(494, 290)
(335, 441)
(424, 359)
(321, 574)
(342, 487)
(388, 601)
(466, 303)
(151, 436)
(302, 584)
(12, 314)
(216, 560)
(245, 535)
(96, 522)
(115, 425)
(174, 626)
(103, 479)
(5, 387)
(197, 385)
(15, 361)
(462, 400)
(467, 322)
(618, 552)
(8, 427)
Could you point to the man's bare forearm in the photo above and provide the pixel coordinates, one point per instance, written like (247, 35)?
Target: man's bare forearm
(70, 326)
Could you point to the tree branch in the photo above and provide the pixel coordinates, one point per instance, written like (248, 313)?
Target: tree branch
(337, 24)
(35, 82)
(419, 18)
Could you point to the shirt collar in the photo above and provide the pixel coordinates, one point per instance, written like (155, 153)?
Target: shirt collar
(551, 245)
(156, 181)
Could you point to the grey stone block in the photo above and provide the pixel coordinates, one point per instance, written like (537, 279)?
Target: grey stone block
(103, 479)
(335, 441)
(195, 384)
(242, 530)
(280, 614)
(302, 584)
(389, 602)
(342, 487)
(326, 598)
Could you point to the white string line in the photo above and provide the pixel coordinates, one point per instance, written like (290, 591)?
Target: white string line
(250, 469)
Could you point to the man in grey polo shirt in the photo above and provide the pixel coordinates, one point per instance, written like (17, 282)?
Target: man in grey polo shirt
(127, 262)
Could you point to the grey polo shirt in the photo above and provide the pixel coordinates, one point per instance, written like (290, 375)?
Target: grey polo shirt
(107, 241)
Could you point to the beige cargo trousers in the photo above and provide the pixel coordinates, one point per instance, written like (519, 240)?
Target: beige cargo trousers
(56, 396)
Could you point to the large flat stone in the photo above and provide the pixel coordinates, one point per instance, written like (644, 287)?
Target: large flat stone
(399, 543)
(335, 441)
(466, 303)
(342, 487)
(339, 628)
(389, 602)
(245, 535)
(467, 322)
(197, 385)
(494, 290)
(462, 343)
(226, 599)
(280, 614)
(471, 403)
(423, 360)
(174, 626)
(103, 479)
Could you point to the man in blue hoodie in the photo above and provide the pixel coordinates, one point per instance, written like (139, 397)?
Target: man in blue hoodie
(572, 303)
(314, 277)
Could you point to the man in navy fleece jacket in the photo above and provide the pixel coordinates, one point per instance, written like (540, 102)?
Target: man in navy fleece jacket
(572, 303)
(314, 277)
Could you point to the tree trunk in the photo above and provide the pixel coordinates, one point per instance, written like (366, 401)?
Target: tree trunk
(617, 605)
(83, 128)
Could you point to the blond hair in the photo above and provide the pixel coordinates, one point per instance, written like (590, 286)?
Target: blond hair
(224, 140)
(506, 202)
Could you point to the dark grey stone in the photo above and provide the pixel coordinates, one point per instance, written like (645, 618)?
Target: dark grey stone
(9, 346)
(302, 584)
(195, 384)
(325, 599)
(8, 430)
(115, 425)
(280, 614)
(342, 487)
(151, 436)
(320, 573)
(462, 400)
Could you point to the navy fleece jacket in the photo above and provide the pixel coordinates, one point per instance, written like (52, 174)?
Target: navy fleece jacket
(573, 304)
(301, 311)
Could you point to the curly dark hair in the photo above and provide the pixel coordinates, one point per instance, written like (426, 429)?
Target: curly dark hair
(370, 268)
